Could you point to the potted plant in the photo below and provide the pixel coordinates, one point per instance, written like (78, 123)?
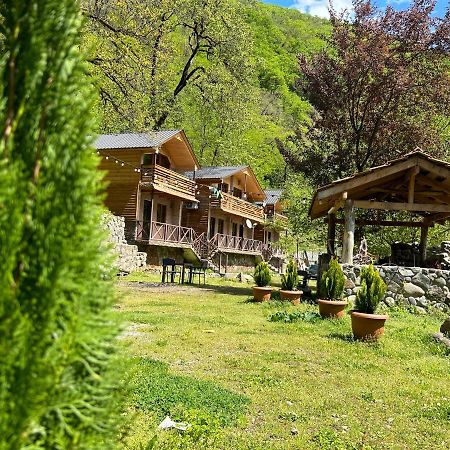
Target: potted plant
(365, 323)
(262, 290)
(289, 283)
(331, 288)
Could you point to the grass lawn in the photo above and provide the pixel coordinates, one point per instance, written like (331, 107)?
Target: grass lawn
(211, 358)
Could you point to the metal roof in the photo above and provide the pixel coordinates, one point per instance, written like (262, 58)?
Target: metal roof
(273, 196)
(151, 139)
(215, 172)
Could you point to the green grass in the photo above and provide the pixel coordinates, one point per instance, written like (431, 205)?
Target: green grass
(213, 359)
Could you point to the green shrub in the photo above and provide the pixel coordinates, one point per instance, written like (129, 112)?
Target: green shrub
(262, 274)
(289, 281)
(371, 292)
(56, 335)
(333, 281)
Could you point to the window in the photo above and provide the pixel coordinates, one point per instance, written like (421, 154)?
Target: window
(148, 159)
(224, 187)
(161, 212)
(237, 192)
(234, 229)
(269, 236)
(220, 226)
(241, 231)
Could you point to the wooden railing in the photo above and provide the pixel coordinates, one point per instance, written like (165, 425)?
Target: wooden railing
(164, 232)
(239, 207)
(226, 242)
(168, 181)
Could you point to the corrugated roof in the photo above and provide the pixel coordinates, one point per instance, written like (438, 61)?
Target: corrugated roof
(215, 172)
(134, 140)
(273, 196)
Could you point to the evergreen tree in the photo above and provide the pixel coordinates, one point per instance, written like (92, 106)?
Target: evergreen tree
(54, 288)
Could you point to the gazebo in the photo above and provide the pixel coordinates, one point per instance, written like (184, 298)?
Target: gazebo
(415, 183)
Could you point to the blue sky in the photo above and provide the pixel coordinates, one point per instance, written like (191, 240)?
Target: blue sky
(320, 7)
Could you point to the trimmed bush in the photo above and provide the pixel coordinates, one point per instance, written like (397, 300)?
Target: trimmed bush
(289, 281)
(371, 292)
(262, 275)
(333, 281)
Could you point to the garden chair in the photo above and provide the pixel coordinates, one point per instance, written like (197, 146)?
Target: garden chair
(200, 271)
(169, 268)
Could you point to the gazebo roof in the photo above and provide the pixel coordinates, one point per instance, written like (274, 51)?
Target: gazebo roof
(415, 182)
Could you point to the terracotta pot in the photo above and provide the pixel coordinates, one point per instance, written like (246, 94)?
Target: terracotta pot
(292, 296)
(262, 294)
(367, 326)
(332, 308)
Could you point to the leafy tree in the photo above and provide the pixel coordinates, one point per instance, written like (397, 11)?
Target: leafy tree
(54, 332)
(380, 88)
(304, 233)
(149, 53)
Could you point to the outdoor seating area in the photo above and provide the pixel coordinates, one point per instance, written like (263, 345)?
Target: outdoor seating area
(184, 272)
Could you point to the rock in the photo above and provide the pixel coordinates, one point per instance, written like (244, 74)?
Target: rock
(445, 327)
(231, 276)
(351, 298)
(441, 306)
(420, 310)
(411, 290)
(412, 301)
(405, 272)
(349, 284)
(421, 280)
(440, 282)
(423, 302)
(389, 301)
(245, 278)
(294, 431)
(393, 286)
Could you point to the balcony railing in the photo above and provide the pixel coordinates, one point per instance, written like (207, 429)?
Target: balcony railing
(164, 232)
(168, 181)
(236, 243)
(239, 207)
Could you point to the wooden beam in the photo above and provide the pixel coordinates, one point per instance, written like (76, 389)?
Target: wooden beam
(338, 204)
(390, 206)
(349, 233)
(435, 218)
(412, 182)
(385, 223)
(437, 169)
(375, 175)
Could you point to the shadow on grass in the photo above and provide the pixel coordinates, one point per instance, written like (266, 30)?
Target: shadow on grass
(231, 290)
(156, 389)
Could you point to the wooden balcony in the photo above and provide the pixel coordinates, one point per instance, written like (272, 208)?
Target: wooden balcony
(166, 234)
(235, 244)
(167, 181)
(234, 205)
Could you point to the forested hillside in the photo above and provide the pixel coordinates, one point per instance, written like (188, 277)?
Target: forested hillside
(224, 72)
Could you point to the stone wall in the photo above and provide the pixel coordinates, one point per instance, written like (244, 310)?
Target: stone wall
(420, 288)
(129, 257)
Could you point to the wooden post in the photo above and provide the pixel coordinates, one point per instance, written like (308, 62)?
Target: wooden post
(412, 181)
(331, 238)
(349, 233)
(423, 245)
(180, 213)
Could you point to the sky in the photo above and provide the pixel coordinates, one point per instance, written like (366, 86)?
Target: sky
(320, 7)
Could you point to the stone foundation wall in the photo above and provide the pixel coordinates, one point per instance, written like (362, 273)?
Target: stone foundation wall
(420, 288)
(129, 257)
